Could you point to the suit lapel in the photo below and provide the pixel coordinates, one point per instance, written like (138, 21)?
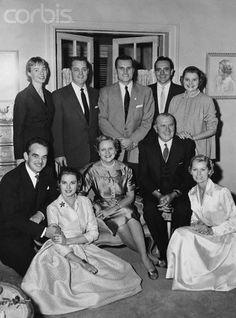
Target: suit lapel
(118, 102)
(35, 96)
(133, 102)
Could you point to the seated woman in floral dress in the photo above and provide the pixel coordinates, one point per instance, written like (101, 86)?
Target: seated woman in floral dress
(203, 255)
(113, 185)
(69, 273)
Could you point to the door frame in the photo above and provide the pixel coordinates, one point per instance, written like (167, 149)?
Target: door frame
(135, 28)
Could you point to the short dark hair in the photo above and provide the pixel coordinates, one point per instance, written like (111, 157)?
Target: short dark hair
(69, 170)
(36, 140)
(124, 58)
(81, 59)
(164, 58)
(33, 61)
(203, 158)
(194, 69)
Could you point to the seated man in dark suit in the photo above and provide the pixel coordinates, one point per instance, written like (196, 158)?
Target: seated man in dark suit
(25, 193)
(164, 89)
(164, 179)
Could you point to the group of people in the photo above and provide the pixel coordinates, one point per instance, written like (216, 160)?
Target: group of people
(160, 138)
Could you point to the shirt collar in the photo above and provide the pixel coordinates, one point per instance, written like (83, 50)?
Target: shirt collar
(31, 174)
(162, 143)
(166, 86)
(77, 88)
(130, 85)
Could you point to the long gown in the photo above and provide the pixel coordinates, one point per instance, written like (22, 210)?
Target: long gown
(58, 285)
(110, 187)
(205, 262)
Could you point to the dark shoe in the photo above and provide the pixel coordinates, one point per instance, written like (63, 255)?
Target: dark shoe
(161, 263)
(153, 274)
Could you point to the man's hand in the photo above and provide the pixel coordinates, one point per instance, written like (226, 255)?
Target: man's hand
(51, 230)
(202, 228)
(126, 143)
(19, 161)
(61, 161)
(184, 135)
(38, 217)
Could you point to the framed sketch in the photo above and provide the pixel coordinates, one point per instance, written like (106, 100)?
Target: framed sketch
(221, 75)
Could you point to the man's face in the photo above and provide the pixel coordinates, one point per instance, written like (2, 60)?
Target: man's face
(165, 127)
(79, 72)
(125, 71)
(163, 72)
(37, 157)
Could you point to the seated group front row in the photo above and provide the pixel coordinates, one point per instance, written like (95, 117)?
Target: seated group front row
(70, 273)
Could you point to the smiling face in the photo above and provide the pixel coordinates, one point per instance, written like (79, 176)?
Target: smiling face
(191, 82)
(107, 151)
(125, 71)
(165, 127)
(37, 157)
(38, 73)
(79, 72)
(68, 185)
(163, 72)
(200, 172)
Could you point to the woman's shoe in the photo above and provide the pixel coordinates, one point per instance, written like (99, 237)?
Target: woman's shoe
(153, 274)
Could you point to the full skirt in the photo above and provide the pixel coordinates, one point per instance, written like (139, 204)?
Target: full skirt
(201, 262)
(60, 286)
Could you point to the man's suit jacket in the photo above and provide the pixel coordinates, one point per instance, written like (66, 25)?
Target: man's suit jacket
(73, 137)
(151, 162)
(31, 118)
(139, 120)
(173, 91)
(19, 200)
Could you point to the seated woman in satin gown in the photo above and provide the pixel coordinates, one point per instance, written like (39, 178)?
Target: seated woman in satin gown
(113, 185)
(69, 273)
(203, 255)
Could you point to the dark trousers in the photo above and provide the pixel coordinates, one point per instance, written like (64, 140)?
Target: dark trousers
(181, 216)
(17, 252)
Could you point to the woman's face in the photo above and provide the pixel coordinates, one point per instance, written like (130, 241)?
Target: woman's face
(191, 82)
(200, 172)
(107, 151)
(38, 73)
(68, 185)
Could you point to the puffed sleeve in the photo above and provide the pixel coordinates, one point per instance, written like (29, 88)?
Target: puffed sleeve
(91, 232)
(210, 115)
(52, 214)
(227, 203)
(130, 180)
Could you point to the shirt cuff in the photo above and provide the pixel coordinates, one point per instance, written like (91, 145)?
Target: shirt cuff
(44, 231)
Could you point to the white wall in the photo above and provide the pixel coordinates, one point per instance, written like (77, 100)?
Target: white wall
(203, 25)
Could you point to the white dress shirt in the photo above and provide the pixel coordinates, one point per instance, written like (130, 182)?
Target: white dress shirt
(77, 90)
(122, 89)
(162, 144)
(166, 92)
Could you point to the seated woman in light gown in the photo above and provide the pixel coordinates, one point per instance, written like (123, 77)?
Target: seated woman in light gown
(203, 256)
(69, 273)
(113, 185)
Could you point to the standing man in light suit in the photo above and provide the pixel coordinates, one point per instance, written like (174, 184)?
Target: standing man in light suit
(75, 125)
(164, 89)
(126, 110)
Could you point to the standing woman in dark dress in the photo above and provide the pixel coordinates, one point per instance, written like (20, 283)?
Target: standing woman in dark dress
(33, 108)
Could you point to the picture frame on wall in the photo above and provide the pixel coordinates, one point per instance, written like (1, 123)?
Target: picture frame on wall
(221, 75)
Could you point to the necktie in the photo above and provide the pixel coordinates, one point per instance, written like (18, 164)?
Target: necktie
(37, 179)
(162, 100)
(165, 152)
(126, 102)
(85, 104)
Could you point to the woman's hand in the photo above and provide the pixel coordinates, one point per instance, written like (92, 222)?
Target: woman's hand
(184, 135)
(202, 228)
(59, 238)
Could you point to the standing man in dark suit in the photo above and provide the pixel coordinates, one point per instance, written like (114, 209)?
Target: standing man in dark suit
(75, 125)
(164, 179)
(25, 193)
(164, 89)
(33, 109)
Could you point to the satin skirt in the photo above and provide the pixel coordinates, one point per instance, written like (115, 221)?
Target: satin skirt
(59, 286)
(201, 262)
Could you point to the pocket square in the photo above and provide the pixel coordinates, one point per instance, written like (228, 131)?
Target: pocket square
(139, 106)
